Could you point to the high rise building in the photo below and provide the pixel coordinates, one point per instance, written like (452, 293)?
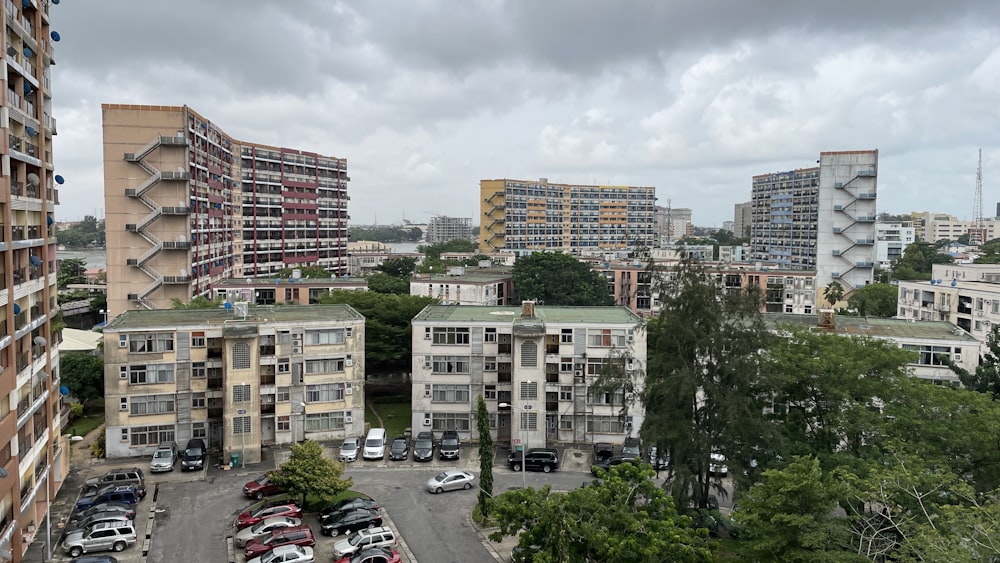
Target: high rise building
(187, 205)
(742, 219)
(34, 459)
(443, 229)
(891, 240)
(784, 218)
(522, 216)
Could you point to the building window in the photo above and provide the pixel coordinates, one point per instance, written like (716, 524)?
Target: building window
(241, 425)
(490, 335)
(282, 395)
(450, 364)
(328, 336)
(933, 355)
(490, 392)
(450, 393)
(596, 365)
(197, 400)
(149, 435)
(198, 369)
(605, 425)
(198, 430)
(565, 365)
(241, 355)
(529, 354)
(324, 393)
(529, 420)
(612, 398)
(606, 338)
(151, 404)
(565, 422)
(150, 343)
(150, 374)
(324, 421)
(284, 423)
(490, 363)
(566, 393)
(327, 365)
(450, 335)
(241, 393)
(529, 390)
(197, 339)
(566, 336)
(450, 421)
(124, 437)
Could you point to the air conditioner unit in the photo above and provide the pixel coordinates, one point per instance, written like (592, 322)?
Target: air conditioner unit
(427, 422)
(122, 343)
(296, 349)
(427, 362)
(124, 404)
(349, 331)
(349, 389)
(980, 314)
(123, 372)
(348, 362)
(348, 419)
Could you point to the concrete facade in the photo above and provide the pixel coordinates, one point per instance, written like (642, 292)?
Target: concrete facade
(466, 286)
(965, 295)
(891, 240)
(443, 229)
(239, 379)
(932, 227)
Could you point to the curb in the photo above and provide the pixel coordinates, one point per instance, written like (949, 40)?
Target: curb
(487, 543)
(404, 550)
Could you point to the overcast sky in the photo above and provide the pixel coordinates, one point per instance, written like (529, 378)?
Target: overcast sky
(425, 98)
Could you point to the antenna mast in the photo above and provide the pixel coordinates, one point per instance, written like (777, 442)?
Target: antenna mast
(977, 234)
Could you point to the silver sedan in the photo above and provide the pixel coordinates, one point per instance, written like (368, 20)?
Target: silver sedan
(262, 528)
(450, 480)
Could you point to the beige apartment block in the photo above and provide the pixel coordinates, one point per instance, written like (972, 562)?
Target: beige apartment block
(242, 378)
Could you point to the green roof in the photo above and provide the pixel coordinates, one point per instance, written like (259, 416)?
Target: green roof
(244, 282)
(487, 313)
(878, 327)
(189, 317)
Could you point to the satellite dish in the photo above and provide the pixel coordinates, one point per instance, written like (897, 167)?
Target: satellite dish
(63, 390)
(28, 52)
(33, 178)
(55, 36)
(59, 179)
(228, 305)
(40, 341)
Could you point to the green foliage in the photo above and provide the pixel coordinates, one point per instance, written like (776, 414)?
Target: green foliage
(486, 456)
(833, 293)
(399, 267)
(87, 233)
(97, 449)
(76, 409)
(381, 282)
(876, 300)
(987, 376)
(626, 517)
(71, 270)
(83, 374)
(916, 261)
(305, 272)
(790, 517)
(990, 253)
(198, 302)
(890, 218)
(387, 325)
(554, 278)
(308, 473)
(434, 251)
(385, 234)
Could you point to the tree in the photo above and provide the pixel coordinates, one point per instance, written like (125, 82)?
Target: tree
(917, 260)
(305, 272)
(434, 251)
(71, 270)
(307, 472)
(197, 302)
(790, 516)
(876, 299)
(83, 374)
(624, 517)
(399, 267)
(381, 282)
(986, 379)
(486, 456)
(554, 278)
(833, 293)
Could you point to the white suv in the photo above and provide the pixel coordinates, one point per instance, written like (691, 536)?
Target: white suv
(103, 536)
(363, 539)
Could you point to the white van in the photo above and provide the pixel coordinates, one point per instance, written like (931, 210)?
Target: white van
(375, 444)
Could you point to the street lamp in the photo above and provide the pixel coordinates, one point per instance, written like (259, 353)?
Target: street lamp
(524, 476)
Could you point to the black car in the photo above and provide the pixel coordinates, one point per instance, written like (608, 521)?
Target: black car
(450, 445)
(400, 449)
(127, 509)
(193, 456)
(423, 447)
(350, 521)
(535, 459)
(347, 505)
(603, 451)
(609, 463)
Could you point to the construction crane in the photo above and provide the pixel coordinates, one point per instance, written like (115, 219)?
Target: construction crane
(977, 232)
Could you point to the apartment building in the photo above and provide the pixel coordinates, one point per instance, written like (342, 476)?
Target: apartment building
(534, 366)
(965, 295)
(932, 227)
(465, 286)
(891, 240)
(34, 458)
(294, 290)
(742, 219)
(523, 216)
(189, 205)
(671, 224)
(443, 229)
(240, 378)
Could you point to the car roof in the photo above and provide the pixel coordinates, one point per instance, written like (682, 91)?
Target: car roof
(285, 549)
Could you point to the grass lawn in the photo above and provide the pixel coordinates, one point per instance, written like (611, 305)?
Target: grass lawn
(84, 425)
(395, 412)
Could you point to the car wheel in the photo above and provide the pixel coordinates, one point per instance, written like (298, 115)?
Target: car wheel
(259, 495)
(546, 468)
(119, 546)
(516, 467)
(438, 491)
(468, 486)
(75, 552)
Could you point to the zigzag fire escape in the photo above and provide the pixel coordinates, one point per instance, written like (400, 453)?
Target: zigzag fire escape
(849, 210)
(156, 211)
(494, 220)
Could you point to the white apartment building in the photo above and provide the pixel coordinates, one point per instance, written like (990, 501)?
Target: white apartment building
(239, 378)
(848, 185)
(966, 295)
(891, 240)
(462, 286)
(932, 227)
(534, 367)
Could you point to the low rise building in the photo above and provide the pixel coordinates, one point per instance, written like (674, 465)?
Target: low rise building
(966, 295)
(534, 366)
(466, 286)
(238, 379)
(295, 290)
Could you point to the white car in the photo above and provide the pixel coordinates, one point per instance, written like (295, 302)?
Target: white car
(382, 536)
(286, 554)
(450, 480)
(717, 464)
(263, 527)
(349, 450)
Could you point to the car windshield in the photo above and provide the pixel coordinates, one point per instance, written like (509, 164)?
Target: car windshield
(441, 477)
(193, 452)
(259, 526)
(348, 446)
(267, 557)
(266, 538)
(449, 442)
(354, 540)
(399, 445)
(373, 443)
(161, 454)
(422, 444)
(262, 480)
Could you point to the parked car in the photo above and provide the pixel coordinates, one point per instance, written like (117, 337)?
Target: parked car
(126, 509)
(95, 559)
(523, 554)
(609, 463)
(631, 447)
(299, 535)
(450, 480)
(261, 487)
(125, 476)
(105, 536)
(286, 554)
(535, 459)
(423, 447)
(193, 457)
(373, 555)
(123, 494)
(347, 505)
(658, 460)
(383, 536)
(164, 458)
(251, 517)
(349, 449)
(94, 519)
(717, 464)
(603, 451)
(350, 520)
(450, 445)
(400, 449)
(264, 527)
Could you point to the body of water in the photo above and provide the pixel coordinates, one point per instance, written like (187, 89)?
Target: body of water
(91, 258)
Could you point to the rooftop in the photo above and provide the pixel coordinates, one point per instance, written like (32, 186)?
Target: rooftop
(879, 327)
(268, 282)
(195, 317)
(488, 313)
(470, 276)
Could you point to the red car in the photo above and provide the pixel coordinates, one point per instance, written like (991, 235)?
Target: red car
(373, 555)
(261, 487)
(295, 535)
(249, 518)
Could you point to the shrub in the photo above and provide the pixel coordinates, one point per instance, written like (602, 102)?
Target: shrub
(97, 448)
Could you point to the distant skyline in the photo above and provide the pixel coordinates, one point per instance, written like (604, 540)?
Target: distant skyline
(426, 99)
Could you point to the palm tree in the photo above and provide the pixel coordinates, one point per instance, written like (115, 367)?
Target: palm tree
(833, 293)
